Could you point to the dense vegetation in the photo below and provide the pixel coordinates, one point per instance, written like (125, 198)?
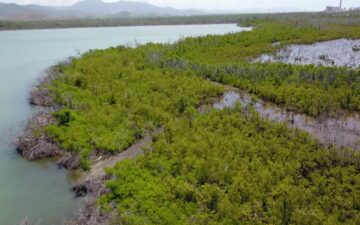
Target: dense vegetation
(115, 22)
(221, 167)
(317, 91)
(110, 100)
(313, 90)
(230, 167)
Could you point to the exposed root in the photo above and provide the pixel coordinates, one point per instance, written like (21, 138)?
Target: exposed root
(34, 144)
(40, 95)
(69, 161)
(91, 214)
(93, 184)
(94, 187)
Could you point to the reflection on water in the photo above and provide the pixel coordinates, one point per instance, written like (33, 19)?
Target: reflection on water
(341, 52)
(342, 132)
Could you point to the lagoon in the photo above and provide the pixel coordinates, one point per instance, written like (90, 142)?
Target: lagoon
(39, 191)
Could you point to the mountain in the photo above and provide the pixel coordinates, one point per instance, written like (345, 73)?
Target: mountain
(35, 12)
(87, 8)
(99, 7)
(14, 11)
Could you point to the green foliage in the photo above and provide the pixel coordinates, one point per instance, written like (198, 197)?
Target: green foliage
(221, 167)
(228, 168)
(308, 89)
(114, 22)
(111, 99)
(64, 117)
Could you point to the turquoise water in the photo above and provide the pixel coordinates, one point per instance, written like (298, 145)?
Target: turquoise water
(38, 190)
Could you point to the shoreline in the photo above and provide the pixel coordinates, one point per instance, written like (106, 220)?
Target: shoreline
(89, 184)
(34, 144)
(8, 25)
(90, 119)
(342, 131)
(120, 26)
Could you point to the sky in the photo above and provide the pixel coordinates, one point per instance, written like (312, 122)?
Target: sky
(308, 5)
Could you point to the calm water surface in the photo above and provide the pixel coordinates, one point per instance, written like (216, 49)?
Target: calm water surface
(39, 191)
(341, 132)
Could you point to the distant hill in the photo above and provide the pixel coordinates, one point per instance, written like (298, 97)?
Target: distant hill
(98, 7)
(88, 8)
(14, 11)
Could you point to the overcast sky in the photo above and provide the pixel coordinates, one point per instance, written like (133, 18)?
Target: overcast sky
(219, 4)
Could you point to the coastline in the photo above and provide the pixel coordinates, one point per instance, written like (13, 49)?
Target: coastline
(62, 200)
(118, 22)
(34, 144)
(90, 184)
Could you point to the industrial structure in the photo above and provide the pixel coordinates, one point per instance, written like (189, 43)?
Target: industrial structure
(333, 9)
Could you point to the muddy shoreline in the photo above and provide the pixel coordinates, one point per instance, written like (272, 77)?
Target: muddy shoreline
(34, 144)
(340, 52)
(340, 132)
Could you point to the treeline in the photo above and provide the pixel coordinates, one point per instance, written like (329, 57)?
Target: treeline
(116, 22)
(315, 19)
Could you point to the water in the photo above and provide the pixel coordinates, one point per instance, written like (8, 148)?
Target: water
(39, 191)
(341, 132)
(341, 52)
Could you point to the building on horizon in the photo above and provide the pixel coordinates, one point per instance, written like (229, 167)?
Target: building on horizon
(333, 9)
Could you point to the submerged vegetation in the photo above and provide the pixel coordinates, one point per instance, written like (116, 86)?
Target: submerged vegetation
(217, 167)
